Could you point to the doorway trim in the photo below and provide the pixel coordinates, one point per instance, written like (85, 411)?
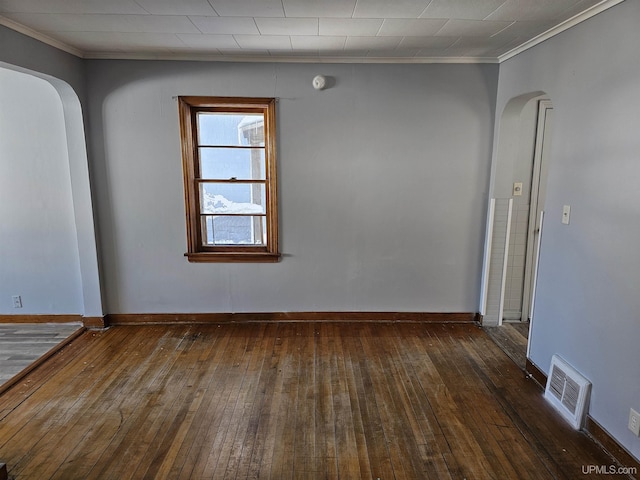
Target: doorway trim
(538, 192)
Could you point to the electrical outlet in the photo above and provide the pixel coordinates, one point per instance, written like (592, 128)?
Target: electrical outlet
(634, 422)
(17, 301)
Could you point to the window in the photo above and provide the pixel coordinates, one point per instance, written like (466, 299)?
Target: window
(229, 163)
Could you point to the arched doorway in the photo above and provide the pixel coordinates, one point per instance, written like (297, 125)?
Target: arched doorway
(515, 215)
(77, 191)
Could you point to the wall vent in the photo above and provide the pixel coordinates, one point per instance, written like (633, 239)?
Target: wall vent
(568, 391)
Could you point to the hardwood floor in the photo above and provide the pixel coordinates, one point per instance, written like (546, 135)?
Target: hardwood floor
(286, 401)
(512, 338)
(22, 344)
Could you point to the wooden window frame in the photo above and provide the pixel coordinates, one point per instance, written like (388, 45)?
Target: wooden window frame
(197, 251)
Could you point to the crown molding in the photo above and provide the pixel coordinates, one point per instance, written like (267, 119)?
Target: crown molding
(282, 59)
(41, 37)
(567, 24)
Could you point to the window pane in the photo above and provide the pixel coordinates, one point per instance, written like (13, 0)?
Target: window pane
(236, 230)
(225, 163)
(233, 198)
(230, 129)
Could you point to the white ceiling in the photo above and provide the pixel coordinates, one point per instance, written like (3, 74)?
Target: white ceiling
(296, 30)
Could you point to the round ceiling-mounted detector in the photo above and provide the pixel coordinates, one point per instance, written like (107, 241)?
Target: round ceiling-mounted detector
(319, 82)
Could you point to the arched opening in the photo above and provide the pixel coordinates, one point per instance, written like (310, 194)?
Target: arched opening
(516, 212)
(55, 189)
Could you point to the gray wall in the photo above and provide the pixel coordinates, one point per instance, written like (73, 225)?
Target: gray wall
(21, 51)
(587, 300)
(38, 246)
(382, 187)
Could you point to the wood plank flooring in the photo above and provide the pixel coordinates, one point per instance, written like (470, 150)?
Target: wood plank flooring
(286, 401)
(512, 338)
(22, 344)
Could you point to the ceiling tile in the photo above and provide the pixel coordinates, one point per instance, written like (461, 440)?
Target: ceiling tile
(124, 7)
(579, 7)
(314, 8)
(483, 42)
(497, 51)
(360, 27)
(226, 25)
(171, 7)
(105, 23)
(531, 11)
(287, 26)
(468, 52)
(461, 9)
(427, 42)
(472, 28)
(411, 27)
(528, 29)
(343, 53)
(431, 53)
(268, 42)
(118, 41)
(187, 52)
(317, 43)
(372, 43)
(486, 47)
(248, 8)
(397, 53)
(389, 9)
(348, 28)
(208, 41)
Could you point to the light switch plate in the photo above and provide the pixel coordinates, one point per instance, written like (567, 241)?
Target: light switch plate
(17, 301)
(634, 422)
(517, 189)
